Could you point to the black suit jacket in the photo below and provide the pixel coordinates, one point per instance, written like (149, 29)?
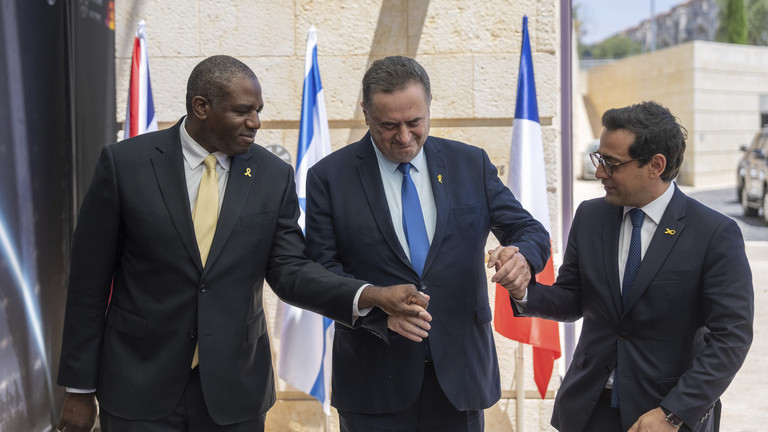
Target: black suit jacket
(693, 280)
(135, 227)
(350, 231)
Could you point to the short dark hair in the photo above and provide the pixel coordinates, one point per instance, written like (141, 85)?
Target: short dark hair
(390, 74)
(656, 131)
(211, 77)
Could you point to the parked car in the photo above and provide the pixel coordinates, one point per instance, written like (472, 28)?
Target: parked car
(587, 168)
(752, 176)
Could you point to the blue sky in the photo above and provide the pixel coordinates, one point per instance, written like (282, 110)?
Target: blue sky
(604, 18)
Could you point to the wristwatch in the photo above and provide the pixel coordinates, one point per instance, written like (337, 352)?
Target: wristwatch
(672, 418)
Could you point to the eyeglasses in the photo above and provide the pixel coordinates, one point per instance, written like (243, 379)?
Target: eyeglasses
(609, 167)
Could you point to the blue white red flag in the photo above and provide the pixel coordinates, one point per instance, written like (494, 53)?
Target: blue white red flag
(140, 113)
(528, 182)
(306, 337)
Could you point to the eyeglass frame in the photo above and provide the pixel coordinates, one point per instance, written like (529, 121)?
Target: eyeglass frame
(610, 167)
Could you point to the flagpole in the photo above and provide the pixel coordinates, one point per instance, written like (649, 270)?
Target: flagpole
(520, 387)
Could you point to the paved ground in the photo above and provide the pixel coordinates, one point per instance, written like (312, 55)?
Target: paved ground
(745, 406)
(724, 200)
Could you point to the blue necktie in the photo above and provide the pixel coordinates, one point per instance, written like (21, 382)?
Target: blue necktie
(413, 221)
(630, 271)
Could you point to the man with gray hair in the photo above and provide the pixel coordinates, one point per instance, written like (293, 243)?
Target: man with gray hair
(185, 225)
(400, 206)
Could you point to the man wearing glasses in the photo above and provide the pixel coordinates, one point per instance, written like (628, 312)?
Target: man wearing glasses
(662, 283)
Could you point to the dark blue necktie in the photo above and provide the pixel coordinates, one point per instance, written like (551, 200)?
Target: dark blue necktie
(630, 272)
(413, 221)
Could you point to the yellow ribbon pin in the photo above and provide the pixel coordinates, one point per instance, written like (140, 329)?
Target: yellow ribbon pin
(247, 172)
(440, 178)
(669, 231)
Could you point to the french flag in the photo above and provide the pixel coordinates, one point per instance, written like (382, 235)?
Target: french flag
(306, 337)
(527, 181)
(140, 114)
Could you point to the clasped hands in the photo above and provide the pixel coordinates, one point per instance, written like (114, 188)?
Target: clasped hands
(512, 269)
(405, 305)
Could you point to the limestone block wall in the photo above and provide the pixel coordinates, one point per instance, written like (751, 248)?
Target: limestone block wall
(470, 49)
(714, 89)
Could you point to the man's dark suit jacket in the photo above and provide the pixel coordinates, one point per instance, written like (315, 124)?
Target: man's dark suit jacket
(694, 275)
(135, 226)
(350, 231)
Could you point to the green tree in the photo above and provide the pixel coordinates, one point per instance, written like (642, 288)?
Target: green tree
(733, 22)
(757, 22)
(616, 47)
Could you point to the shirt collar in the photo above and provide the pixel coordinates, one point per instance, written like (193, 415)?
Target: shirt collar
(419, 162)
(656, 208)
(194, 153)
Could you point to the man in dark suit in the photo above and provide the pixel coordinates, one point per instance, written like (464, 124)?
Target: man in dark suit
(662, 283)
(182, 345)
(359, 224)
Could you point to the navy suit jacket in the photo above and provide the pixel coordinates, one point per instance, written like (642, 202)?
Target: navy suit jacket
(694, 279)
(135, 227)
(350, 231)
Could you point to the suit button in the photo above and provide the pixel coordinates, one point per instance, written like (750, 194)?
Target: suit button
(203, 288)
(192, 334)
(607, 369)
(623, 335)
(423, 286)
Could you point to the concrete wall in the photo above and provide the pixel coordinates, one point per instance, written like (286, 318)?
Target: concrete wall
(470, 49)
(714, 89)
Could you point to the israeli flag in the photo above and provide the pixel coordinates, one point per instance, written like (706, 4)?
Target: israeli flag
(306, 337)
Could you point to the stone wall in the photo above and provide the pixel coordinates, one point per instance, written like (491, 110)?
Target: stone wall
(470, 49)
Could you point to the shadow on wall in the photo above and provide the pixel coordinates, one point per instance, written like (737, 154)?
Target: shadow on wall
(388, 39)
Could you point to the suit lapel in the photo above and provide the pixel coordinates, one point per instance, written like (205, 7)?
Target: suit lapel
(168, 164)
(664, 239)
(370, 178)
(238, 186)
(437, 172)
(610, 238)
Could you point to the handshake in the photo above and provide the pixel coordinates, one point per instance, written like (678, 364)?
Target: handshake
(405, 305)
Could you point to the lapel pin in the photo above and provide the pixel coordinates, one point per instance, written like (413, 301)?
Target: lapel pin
(247, 172)
(439, 178)
(669, 231)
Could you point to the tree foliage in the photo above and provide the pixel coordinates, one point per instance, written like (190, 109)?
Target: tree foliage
(733, 22)
(615, 47)
(757, 22)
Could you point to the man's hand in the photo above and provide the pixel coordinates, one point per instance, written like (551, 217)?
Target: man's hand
(412, 328)
(512, 269)
(653, 421)
(396, 300)
(78, 414)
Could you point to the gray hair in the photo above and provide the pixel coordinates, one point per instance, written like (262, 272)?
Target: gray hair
(390, 74)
